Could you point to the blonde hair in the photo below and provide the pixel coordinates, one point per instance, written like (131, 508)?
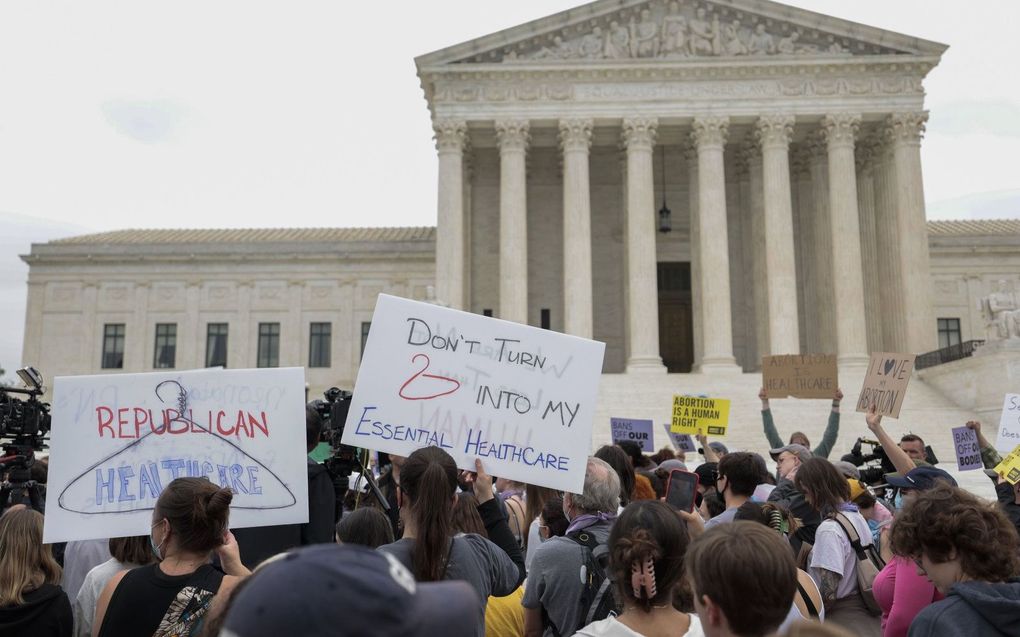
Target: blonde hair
(25, 562)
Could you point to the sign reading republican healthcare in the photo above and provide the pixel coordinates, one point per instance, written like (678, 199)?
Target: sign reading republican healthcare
(968, 452)
(117, 440)
(1009, 424)
(885, 384)
(520, 398)
(698, 414)
(639, 431)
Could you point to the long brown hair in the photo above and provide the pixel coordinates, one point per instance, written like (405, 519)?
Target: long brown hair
(429, 480)
(823, 485)
(535, 498)
(649, 530)
(25, 562)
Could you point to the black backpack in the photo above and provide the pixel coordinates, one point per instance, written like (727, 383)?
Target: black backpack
(598, 599)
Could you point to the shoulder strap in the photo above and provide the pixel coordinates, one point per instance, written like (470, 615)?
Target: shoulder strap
(851, 533)
(812, 611)
(584, 538)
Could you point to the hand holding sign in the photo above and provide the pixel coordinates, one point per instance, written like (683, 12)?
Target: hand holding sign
(968, 452)
(885, 384)
(1009, 424)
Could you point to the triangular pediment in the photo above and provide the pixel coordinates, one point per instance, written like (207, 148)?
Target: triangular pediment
(609, 31)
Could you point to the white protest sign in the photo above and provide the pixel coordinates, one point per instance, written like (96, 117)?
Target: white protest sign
(1009, 424)
(639, 431)
(118, 440)
(520, 398)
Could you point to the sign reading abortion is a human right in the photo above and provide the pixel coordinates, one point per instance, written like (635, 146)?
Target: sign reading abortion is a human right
(118, 440)
(519, 398)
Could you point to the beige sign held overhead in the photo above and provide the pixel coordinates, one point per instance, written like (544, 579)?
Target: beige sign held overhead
(885, 384)
(800, 375)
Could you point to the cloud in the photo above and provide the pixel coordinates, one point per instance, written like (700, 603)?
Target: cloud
(146, 121)
(990, 117)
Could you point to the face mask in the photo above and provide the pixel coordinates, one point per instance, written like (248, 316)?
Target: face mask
(156, 549)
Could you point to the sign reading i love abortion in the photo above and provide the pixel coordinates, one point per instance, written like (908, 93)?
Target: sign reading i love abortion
(118, 440)
(520, 398)
(885, 385)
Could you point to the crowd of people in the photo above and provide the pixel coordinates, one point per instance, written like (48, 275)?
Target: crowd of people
(815, 547)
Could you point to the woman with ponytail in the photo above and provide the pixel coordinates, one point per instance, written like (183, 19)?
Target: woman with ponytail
(175, 596)
(431, 548)
(646, 551)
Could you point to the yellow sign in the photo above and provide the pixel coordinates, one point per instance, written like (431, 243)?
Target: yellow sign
(1009, 468)
(694, 415)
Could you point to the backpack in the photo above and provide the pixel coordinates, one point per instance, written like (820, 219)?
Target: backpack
(869, 563)
(598, 599)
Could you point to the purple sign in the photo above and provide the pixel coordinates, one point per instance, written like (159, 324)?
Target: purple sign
(968, 453)
(682, 442)
(639, 431)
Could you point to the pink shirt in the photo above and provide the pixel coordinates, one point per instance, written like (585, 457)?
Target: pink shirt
(902, 594)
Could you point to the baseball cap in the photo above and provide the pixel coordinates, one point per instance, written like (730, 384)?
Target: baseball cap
(673, 465)
(856, 488)
(847, 469)
(800, 451)
(920, 478)
(718, 447)
(348, 590)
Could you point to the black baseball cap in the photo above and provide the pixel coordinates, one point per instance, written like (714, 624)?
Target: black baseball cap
(920, 478)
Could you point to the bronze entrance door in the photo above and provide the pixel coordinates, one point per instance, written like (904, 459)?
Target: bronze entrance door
(676, 327)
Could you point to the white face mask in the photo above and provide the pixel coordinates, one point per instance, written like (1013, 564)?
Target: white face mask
(157, 549)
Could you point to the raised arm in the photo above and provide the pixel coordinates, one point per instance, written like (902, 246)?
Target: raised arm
(989, 455)
(495, 523)
(706, 450)
(897, 456)
(768, 424)
(831, 429)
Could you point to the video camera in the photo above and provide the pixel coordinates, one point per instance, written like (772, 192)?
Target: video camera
(874, 465)
(24, 423)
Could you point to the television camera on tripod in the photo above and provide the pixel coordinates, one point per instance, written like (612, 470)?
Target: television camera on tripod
(24, 423)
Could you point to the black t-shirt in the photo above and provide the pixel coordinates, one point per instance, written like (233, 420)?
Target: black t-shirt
(150, 602)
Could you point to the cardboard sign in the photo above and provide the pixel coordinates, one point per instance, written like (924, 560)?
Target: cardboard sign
(639, 431)
(118, 440)
(681, 442)
(968, 452)
(1009, 468)
(520, 398)
(1009, 424)
(800, 375)
(885, 384)
(695, 414)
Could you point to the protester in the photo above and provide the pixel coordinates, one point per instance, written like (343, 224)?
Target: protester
(870, 508)
(127, 553)
(640, 461)
(739, 474)
(786, 494)
(807, 603)
(799, 438)
(189, 524)
(429, 549)
(535, 498)
(31, 600)
(969, 550)
(617, 458)
(743, 579)
(646, 548)
(80, 557)
(348, 591)
(1008, 496)
(552, 595)
(664, 454)
(553, 521)
(389, 482)
(365, 526)
(511, 493)
(644, 471)
(833, 562)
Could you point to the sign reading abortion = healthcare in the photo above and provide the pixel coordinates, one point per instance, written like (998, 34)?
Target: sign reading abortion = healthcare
(800, 375)
(639, 431)
(968, 453)
(118, 440)
(519, 398)
(1009, 424)
(885, 384)
(700, 415)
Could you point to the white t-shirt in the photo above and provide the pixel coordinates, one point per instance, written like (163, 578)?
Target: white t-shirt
(88, 594)
(611, 627)
(832, 551)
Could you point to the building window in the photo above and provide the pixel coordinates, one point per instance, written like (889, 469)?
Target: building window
(113, 346)
(365, 327)
(319, 339)
(216, 345)
(545, 318)
(486, 312)
(269, 345)
(949, 332)
(165, 353)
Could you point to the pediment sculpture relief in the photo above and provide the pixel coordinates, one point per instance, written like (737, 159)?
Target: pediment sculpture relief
(676, 30)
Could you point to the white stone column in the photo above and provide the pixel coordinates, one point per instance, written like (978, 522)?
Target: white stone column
(865, 152)
(575, 142)
(821, 228)
(513, 137)
(758, 274)
(32, 343)
(847, 277)
(743, 305)
(450, 136)
(697, 318)
(887, 242)
(709, 135)
(801, 183)
(773, 133)
(639, 229)
(918, 312)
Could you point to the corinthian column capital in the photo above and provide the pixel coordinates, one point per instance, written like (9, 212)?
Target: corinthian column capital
(639, 132)
(907, 127)
(710, 131)
(513, 134)
(774, 130)
(450, 134)
(840, 129)
(575, 134)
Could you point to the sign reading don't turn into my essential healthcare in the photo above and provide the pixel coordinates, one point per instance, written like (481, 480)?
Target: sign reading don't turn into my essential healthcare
(520, 398)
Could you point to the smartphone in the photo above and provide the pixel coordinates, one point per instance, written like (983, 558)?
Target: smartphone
(681, 490)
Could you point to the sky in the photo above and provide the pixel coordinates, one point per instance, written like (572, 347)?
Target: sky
(309, 113)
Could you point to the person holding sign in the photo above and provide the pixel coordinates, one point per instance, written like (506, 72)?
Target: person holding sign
(828, 437)
(190, 523)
